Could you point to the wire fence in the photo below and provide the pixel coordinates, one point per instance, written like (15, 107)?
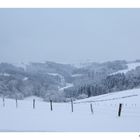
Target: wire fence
(94, 108)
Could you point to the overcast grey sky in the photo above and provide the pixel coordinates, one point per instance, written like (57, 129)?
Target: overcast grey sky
(69, 35)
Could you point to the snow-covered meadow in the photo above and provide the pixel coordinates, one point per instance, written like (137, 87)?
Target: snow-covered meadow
(131, 66)
(105, 117)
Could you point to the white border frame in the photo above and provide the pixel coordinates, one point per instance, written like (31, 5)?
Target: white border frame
(69, 3)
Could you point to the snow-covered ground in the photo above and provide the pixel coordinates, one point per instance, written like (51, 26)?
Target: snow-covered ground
(131, 66)
(104, 118)
(33, 97)
(62, 79)
(77, 75)
(25, 78)
(21, 65)
(68, 85)
(4, 74)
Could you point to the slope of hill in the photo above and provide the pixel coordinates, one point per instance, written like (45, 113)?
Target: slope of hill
(126, 96)
(131, 66)
(57, 81)
(104, 118)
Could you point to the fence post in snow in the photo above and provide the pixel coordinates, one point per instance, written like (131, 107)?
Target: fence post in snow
(3, 102)
(16, 103)
(51, 105)
(120, 109)
(71, 105)
(33, 103)
(91, 108)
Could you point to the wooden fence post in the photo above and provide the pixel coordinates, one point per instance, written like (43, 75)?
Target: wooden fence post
(16, 103)
(33, 103)
(120, 110)
(3, 102)
(51, 105)
(91, 108)
(71, 105)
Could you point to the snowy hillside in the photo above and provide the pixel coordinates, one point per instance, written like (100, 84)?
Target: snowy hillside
(131, 66)
(104, 118)
(64, 81)
(127, 96)
(21, 65)
(33, 97)
(68, 85)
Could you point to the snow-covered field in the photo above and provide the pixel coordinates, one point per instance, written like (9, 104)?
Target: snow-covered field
(131, 66)
(68, 85)
(104, 118)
